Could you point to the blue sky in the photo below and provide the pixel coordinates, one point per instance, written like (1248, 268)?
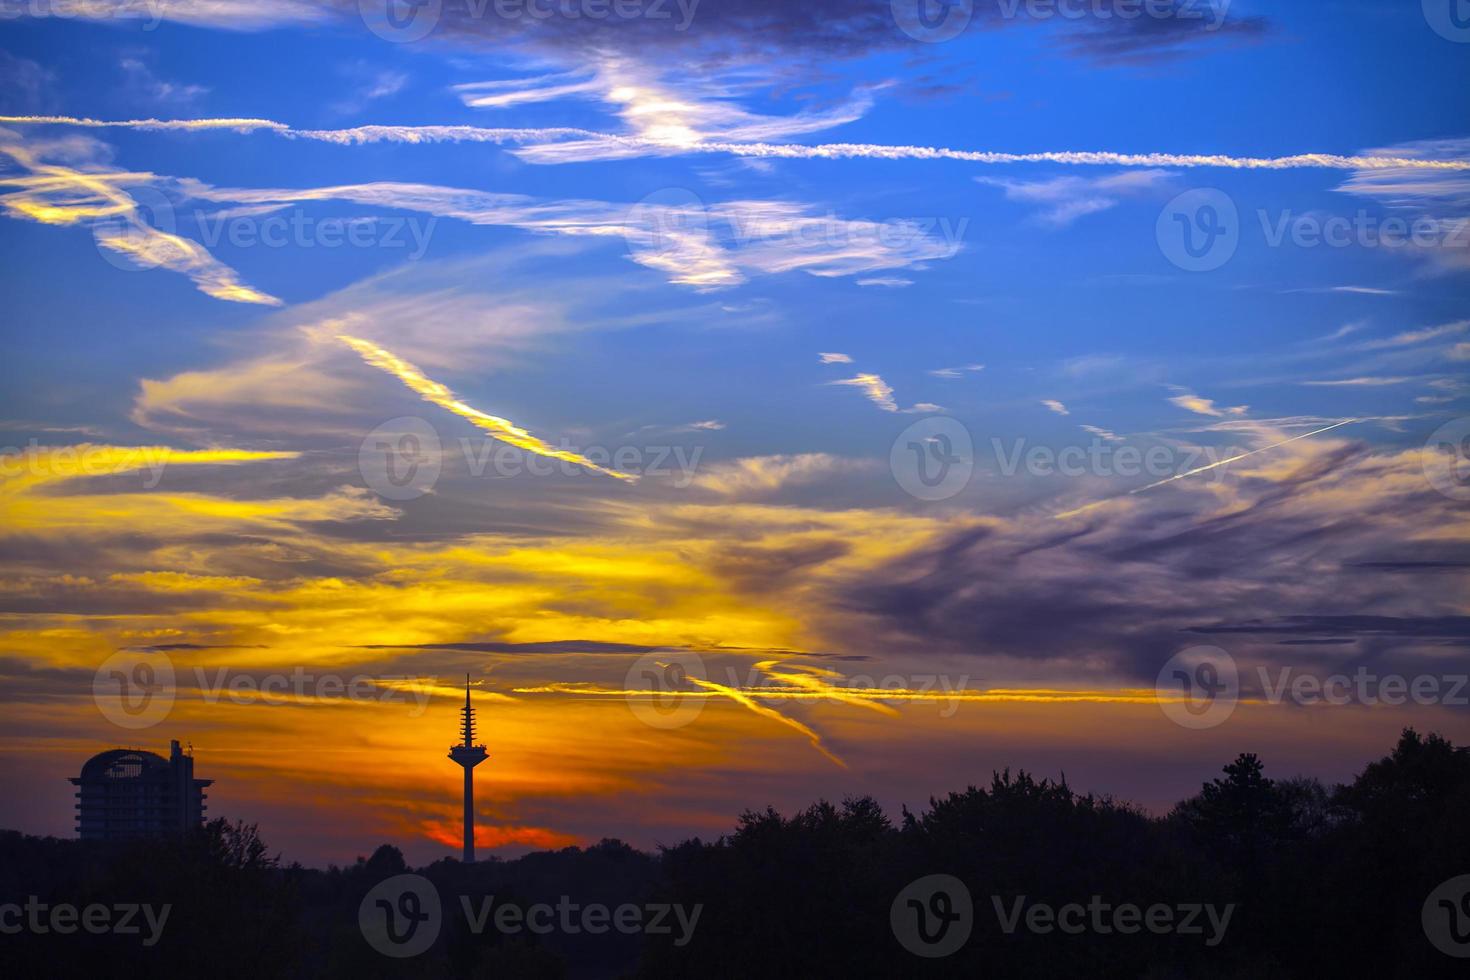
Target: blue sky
(738, 240)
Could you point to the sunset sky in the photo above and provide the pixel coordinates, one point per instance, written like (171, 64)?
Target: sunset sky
(595, 356)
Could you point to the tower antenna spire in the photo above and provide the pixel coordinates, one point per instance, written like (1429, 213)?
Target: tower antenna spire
(468, 755)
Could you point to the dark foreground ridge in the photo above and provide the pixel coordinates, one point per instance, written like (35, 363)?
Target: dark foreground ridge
(1251, 878)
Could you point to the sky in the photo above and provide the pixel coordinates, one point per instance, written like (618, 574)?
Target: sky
(759, 401)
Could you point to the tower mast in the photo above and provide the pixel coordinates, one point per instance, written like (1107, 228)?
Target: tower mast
(468, 755)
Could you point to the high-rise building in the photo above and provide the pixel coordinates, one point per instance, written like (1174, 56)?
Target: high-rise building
(126, 793)
(468, 755)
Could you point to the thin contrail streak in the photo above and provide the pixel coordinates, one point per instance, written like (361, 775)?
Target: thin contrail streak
(1209, 466)
(549, 138)
(437, 394)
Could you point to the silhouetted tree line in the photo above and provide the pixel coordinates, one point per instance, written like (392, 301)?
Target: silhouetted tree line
(1324, 883)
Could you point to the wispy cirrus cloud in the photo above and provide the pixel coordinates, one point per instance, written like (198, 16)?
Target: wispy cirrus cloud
(951, 373)
(1063, 200)
(92, 193)
(438, 394)
(1191, 402)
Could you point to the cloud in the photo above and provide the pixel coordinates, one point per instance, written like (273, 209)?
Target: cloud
(1103, 434)
(435, 393)
(54, 194)
(228, 15)
(835, 358)
(706, 246)
(1365, 382)
(142, 84)
(760, 475)
(25, 86)
(874, 387)
(371, 83)
(951, 373)
(1065, 199)
(1204, 406)
(1118, 587)
(1055, 406)
(1114, 36)
(1411, 337)
(1431, 206)
(540, 147)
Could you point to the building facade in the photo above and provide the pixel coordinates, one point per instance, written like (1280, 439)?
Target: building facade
(127, 793)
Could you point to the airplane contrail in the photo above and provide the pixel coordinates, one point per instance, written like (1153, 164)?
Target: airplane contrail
(1208, 466)
(548, 139)
(438, 394)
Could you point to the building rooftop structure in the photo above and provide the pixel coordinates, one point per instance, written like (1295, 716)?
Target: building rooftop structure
(127, 793)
